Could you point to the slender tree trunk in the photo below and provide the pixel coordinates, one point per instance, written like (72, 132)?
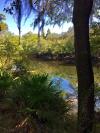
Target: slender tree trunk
(81, 14)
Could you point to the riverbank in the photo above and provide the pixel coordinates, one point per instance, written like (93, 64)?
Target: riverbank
(66, 58)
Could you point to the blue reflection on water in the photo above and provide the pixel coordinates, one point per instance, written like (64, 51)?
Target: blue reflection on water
(64, 85)
(67, 87)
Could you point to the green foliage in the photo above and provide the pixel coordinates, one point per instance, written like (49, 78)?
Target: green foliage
(3, 26)
(9, 49)
(5, 83)
(54, 44)
(60, 43)
(95, 39)
(35, 95)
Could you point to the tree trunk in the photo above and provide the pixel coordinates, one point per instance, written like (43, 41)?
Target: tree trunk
(81, 14)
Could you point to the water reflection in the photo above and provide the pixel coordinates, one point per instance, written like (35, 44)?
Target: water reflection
(58, 69)
(64, 85)
(65, 73)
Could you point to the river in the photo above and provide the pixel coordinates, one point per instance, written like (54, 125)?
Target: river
(64, 71)
(56, 68)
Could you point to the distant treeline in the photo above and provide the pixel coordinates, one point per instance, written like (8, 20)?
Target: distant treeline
(52, 46)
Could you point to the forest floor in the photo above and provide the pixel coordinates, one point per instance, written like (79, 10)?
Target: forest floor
(13, 122)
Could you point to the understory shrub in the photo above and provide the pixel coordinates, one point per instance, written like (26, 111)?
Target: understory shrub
(34, 97)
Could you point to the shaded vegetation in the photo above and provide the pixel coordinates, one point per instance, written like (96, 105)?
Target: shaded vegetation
(35, 99)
